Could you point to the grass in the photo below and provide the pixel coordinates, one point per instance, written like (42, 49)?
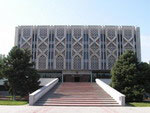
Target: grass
(139, 104)
(10, 102)
(11, 96)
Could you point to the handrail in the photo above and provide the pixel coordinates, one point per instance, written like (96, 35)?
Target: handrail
(36, 95)
(116, 95)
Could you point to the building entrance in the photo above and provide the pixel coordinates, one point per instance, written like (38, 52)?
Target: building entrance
(76, 78)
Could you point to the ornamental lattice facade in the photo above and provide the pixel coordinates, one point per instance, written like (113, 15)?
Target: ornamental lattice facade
(77, 48)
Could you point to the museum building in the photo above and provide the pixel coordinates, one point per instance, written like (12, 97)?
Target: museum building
(77, 53)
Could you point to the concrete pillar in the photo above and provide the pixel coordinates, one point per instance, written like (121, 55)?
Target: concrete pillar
(91, 77)
(62, 78)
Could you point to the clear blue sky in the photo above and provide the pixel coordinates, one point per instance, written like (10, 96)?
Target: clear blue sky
(74, 12)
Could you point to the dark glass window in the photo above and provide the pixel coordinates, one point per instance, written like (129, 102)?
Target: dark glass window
(49, 55)
(35, 37)
(52, 37)
(35, 55)
(101, 37)
(52, 55)
(134, 37)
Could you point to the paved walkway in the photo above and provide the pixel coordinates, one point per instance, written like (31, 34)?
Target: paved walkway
(53, 109)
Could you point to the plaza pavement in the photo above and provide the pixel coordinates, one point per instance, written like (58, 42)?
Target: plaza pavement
(54, 109)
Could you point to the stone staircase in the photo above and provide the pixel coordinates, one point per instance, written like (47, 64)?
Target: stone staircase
(77, 94)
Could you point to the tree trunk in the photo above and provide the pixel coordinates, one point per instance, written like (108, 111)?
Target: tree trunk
(13, 96)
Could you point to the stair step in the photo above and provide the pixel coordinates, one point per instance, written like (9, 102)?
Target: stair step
(63, 95)
(74, 102)
(98, 105)
(77, 99)
(77, 94)
(84, 92)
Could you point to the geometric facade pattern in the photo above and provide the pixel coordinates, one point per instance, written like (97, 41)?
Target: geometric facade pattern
(77, 47)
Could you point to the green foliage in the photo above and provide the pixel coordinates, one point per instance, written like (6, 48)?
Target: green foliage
(30, 83)
(124, 77)
(10, 102)
(139, 104)
(144, 76)
(1, 65)
(22, 77)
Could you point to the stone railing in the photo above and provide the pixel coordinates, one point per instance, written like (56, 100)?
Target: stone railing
(40, 92)
(120, 98)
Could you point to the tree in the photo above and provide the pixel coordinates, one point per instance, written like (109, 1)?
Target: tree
(22, 77)
(144, 76)
(1, 65)
(124, 77)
